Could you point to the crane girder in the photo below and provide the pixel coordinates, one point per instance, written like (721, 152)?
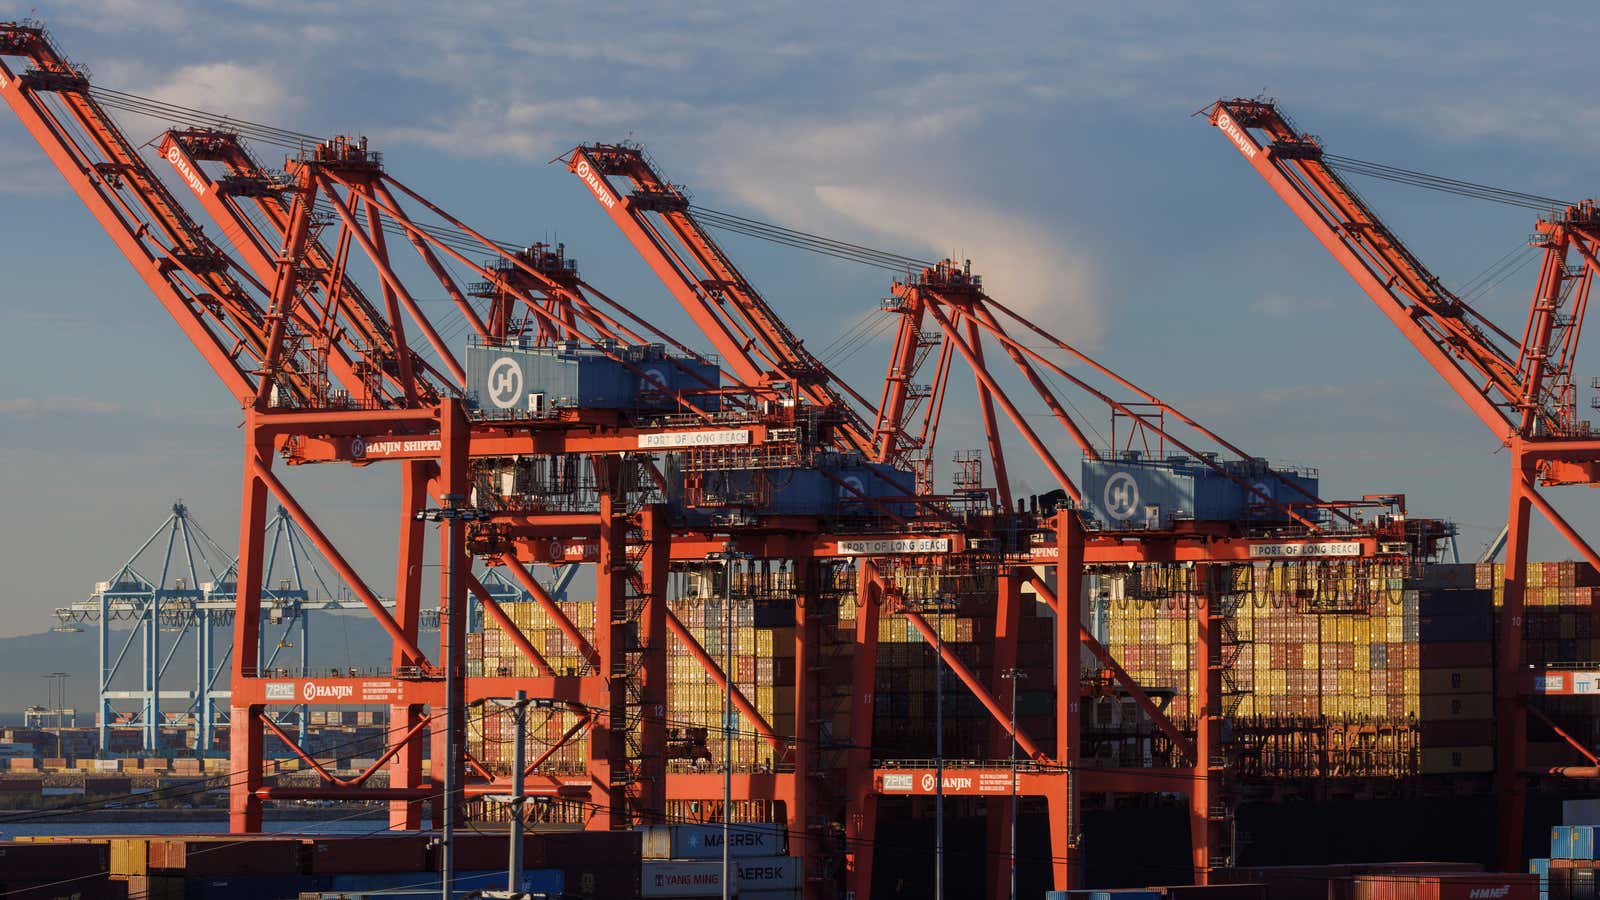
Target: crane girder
(1506, 382)
(754, 341)
(190, 274)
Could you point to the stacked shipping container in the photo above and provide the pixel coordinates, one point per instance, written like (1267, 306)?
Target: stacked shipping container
(762, 667)
(1561, 628)
(1330, 668)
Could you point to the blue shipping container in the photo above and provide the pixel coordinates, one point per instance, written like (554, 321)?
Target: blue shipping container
(538, 381)
(1137, 492)
(850, 487)
(1572, 842)
(1455, 628)
(534, 881)
(385, 881)
(551, 882)
(1541, 868)
(254, 887)
(1455, 602)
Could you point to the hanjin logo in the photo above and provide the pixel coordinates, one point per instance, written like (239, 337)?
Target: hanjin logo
(1121, 496)
(1237, 135)
(312, 691)
(190, 176)
(504, 382)
(928, 782)
(597, 185)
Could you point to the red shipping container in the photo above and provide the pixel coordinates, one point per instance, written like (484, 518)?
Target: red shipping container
(1454, 654)
(46, 862)
(367, 855)
(579, 849)
(1453, 886)
(1417, 868)
(1291, 882)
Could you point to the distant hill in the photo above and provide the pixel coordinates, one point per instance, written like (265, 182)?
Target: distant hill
(337, 640)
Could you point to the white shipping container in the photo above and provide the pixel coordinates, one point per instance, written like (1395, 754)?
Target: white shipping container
(766, 873)
(678, 878)
(745, 839)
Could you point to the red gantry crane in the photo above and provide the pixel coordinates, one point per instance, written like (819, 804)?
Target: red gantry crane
(1520, 385)
(949, 296)
(680, 468)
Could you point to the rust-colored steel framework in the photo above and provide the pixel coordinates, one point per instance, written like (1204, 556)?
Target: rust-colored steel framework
(1521, 387)
(327, 373)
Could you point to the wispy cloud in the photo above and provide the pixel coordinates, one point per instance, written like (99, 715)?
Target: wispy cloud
(236, 89)
(866, 177)
(28, 406)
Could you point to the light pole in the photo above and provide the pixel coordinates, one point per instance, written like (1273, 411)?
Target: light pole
(518, 792)
(1013, 676)
(55, 699)
(61, 702)
(940, 606)
(518, 797)
(727, 556)
(727, 725)
(452, 515)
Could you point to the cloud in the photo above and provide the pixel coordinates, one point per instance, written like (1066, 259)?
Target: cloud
(25, 406)
(234, 89)
(527, 130)
(1026, 265)
(865, 176)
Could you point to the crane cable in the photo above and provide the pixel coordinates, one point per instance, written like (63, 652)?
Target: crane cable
(805, 240)
(298, 140)
(159, 109)
(1440, 183)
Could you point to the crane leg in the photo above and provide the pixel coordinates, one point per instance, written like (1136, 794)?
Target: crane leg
(1511, 722)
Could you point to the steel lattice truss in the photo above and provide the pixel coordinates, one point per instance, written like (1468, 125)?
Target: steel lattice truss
(179, 586)
(329, 372)
(1520, 387)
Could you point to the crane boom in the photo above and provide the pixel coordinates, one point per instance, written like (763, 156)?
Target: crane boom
(1437, 322)
(756, 343)
(188, 273)
(1522, 389)
(362, 349)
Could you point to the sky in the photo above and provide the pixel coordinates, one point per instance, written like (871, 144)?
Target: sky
(1053, 145)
